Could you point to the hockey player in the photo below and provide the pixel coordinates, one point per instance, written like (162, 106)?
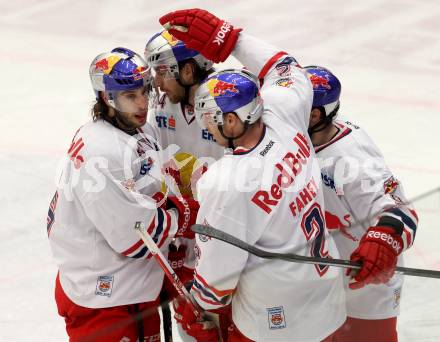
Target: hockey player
(367, 210)
(107, 287)
(178, 73)
(267, 192)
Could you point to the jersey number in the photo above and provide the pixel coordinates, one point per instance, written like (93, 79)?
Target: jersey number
(313, 226)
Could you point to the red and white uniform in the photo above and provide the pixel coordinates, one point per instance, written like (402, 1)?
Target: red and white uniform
(359, 187)
(271, 197)
(175, 124)
(100, 197)
(176, 130)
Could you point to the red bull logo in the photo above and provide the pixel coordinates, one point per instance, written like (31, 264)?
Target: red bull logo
(106, 64)
(102, 64)
(319, 81)
(390, 185)
(333, 222)
(138, 73)
(218, 88)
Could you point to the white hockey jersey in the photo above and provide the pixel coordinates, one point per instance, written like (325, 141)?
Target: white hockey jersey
(359, 192)
(175, 124)
(100, 197)
(271, 197)
(176, 130)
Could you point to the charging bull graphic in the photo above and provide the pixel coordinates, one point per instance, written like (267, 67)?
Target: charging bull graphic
(333, 222)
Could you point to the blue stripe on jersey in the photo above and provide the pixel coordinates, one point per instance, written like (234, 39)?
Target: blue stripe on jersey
(405, 219)
(142, 252)
(209, 294)
(159, 229)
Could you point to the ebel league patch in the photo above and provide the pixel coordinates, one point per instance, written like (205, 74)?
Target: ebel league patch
(104, 286)
(275, 317)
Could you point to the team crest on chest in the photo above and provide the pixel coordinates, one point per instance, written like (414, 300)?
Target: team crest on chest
(275, 317)
(104, 286)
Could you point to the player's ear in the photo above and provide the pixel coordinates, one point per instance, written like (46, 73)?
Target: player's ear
(315, 116)
(104, 97)
(187, 72)
(230, 119)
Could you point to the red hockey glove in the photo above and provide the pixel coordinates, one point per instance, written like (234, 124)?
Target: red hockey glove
(377, 251)
(202, 331)
(176, 259)
(187, 209)
(202, 31)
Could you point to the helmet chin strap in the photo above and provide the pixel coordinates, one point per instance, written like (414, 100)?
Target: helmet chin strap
(231, 139)
(327, 120)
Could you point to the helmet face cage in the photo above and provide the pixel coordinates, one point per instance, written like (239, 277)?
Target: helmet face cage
(214, 91)
(163, 53)
(326, 88)
(121, 70)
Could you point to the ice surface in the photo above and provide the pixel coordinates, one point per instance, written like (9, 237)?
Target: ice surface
(386, 53)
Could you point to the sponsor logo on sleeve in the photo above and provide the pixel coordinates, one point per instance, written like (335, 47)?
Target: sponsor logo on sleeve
(285, 82)
(146, 166)
(390, 185)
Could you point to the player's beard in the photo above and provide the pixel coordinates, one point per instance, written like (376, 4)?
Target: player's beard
(127, 122)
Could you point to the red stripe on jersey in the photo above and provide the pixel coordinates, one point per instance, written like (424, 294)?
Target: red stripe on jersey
(269, 65)
(152, 225)
(218, 293)
(239, 150)
(408, 238)
(133, 248)
(337, 137)
(200, 295)
(413, 212)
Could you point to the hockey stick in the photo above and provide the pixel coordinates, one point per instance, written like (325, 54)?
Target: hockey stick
(219, 235)
(166, 318)
(169, 272)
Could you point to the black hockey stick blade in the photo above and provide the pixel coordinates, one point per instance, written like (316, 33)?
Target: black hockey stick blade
(219, 235)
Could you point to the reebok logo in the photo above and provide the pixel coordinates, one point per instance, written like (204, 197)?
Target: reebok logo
(267, 148)
(386, 238)
(186, 214)
(221, 34)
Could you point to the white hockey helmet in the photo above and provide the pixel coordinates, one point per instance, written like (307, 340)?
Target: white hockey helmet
(163, 53)
(231, 90)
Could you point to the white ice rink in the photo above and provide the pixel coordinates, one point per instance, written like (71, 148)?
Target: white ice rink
(385, 52)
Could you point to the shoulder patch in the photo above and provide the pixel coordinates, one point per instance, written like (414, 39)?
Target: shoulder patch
(285, 82)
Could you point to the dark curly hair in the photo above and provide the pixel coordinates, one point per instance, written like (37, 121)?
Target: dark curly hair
(100, 110)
